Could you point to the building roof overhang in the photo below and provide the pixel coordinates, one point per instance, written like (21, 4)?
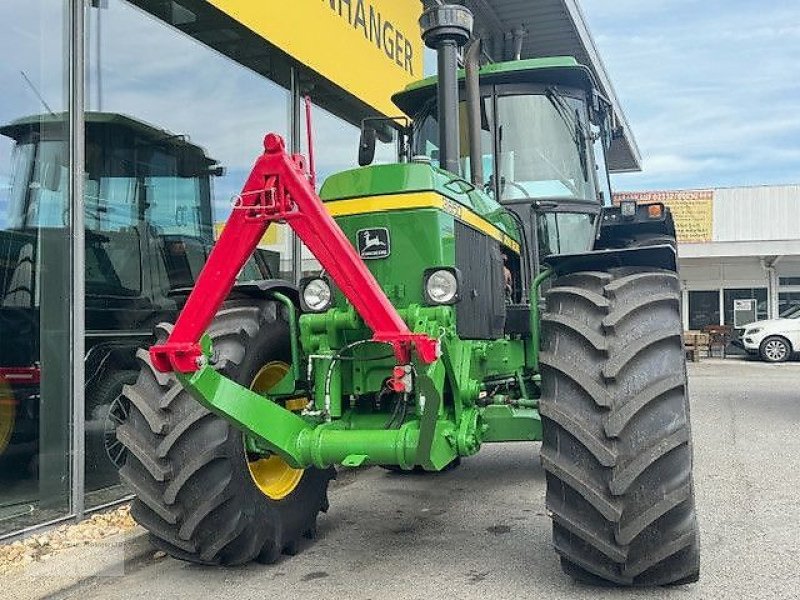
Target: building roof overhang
(556, 28)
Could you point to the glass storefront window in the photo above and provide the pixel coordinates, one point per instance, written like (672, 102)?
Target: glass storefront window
(788, 302)
(35, 269)
(172, 130)
(757, 294)
(703, 309)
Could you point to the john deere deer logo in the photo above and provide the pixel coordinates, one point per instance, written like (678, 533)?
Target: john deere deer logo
(373, 243)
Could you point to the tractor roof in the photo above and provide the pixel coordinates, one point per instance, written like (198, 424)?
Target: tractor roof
(560, 70)
(54, 126)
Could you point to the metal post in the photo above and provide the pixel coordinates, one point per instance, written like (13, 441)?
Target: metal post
(295, 134)
(77, 297)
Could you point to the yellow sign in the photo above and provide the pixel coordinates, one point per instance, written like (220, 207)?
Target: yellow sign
(370, 48)
(272, 237)
(692, 211)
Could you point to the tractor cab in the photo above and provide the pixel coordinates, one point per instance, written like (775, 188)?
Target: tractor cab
(544, 131)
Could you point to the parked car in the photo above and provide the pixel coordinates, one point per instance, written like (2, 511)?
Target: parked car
(774, 340)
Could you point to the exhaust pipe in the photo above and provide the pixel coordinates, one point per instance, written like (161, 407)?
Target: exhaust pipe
(445, 29)
(473, 88)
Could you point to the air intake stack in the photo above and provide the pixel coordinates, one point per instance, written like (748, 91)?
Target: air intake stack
(445, 29)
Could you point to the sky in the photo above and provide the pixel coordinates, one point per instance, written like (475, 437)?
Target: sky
(711, 88)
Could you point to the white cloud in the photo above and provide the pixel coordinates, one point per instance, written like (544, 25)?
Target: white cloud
(711, 88)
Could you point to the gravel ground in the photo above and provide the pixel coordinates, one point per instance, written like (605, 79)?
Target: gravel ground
(46, 545)
(481, 531)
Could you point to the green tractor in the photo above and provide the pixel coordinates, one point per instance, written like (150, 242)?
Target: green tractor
(467, 298)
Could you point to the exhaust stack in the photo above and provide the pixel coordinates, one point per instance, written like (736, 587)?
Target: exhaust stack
(445, 29)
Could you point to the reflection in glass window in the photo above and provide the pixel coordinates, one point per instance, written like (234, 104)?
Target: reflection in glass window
(703, 309)
(35, 270)
(757, 294)
(789, 304)
(39, 180)
(426, 140)
(173, 128)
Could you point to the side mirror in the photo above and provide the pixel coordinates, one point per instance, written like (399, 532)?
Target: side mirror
(366, 145)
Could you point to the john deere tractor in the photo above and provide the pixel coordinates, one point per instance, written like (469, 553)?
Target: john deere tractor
(466, 298)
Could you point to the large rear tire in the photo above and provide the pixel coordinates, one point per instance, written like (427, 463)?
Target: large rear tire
(617, 446)
(196, 490)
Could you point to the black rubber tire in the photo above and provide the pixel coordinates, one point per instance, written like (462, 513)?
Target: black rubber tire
(617, 447)
(762, 349)
(188, 469)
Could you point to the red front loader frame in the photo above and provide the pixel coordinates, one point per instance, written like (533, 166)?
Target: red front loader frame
(278, 189)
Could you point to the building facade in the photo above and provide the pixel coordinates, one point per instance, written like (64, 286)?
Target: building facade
(735, 244)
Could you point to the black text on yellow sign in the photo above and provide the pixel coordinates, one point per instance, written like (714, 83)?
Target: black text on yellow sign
(365, 17)
(369, 48)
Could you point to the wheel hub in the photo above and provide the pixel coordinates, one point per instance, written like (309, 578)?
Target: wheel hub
(775, 350)
(274, 476)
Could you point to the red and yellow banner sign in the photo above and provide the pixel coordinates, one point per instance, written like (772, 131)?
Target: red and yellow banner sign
(692, 211)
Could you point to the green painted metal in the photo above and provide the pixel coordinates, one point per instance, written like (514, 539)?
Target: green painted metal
(536, 296)
(353, 441)
(555, 70)
(404, 178)
(288, 384)
(401, 273)
(505, 423)
(515, 66)
(277, 427)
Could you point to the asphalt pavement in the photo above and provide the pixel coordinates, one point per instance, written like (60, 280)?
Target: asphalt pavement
(481, 531)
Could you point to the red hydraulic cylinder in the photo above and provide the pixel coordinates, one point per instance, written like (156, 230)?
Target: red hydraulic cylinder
(278, 190)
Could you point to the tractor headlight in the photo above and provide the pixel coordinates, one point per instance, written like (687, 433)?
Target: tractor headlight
(315, 294)
(442, 285)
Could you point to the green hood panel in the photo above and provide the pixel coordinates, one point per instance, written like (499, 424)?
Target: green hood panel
(401, 178)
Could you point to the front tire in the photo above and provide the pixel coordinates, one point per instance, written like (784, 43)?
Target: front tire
(617, 446)
(195, 490)
(775, 349)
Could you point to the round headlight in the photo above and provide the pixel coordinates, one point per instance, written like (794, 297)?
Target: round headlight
(317, 295)
(442, 287)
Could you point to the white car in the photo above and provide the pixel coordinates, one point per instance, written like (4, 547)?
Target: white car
(774, 340)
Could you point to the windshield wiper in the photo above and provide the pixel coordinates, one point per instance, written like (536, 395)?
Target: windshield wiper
(573, 122)
(577, 131)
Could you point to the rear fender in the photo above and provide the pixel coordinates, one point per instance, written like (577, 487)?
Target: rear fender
(662, 256)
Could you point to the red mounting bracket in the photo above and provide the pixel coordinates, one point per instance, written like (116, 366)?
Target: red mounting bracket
(278, 189)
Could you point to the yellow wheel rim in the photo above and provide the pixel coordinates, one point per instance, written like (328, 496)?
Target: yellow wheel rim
(273, 475)
(8, 413)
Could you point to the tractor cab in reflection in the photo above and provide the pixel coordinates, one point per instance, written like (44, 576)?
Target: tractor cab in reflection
(149, 229)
